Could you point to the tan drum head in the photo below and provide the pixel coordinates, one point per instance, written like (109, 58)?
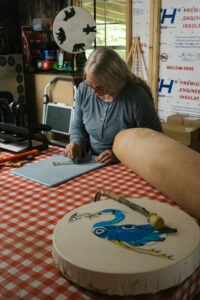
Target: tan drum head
(107, 247)
(74, 29)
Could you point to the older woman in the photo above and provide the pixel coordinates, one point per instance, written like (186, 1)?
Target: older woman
(110, 99)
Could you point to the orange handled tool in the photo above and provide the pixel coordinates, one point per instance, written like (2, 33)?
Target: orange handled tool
(34, 152)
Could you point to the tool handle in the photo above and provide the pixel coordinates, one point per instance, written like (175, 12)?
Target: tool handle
(106, 193)
(125, 201)
(155, 220)
(14, 164)
(34, 152)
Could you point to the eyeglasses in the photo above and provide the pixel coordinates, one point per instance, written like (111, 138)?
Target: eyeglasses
(98, 89)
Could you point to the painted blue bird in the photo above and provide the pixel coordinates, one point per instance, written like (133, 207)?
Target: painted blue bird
(128, 234)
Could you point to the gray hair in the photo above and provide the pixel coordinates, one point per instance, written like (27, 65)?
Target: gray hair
(111, 70)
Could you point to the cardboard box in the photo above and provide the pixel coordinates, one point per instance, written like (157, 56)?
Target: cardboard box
(191, 121)
(176, 118)
(187, 135)
(195, 146)
(184, 119)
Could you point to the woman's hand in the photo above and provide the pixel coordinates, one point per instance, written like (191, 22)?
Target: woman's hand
(73, 150)
(107, 157)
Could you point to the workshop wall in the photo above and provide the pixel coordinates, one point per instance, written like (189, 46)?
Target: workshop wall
(28, 10)
(179, 84)
(10, 37)
(17, 13)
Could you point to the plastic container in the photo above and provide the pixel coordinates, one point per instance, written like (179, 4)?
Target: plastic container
(49, 55)
(40, 24)
(60, 58)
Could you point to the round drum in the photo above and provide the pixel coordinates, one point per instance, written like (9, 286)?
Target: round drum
(107, 247)
(74, 29)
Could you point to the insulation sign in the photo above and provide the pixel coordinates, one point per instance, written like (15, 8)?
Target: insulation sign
(179, 80)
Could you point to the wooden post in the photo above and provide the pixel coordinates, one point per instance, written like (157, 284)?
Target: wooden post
(150, 43)
(128, 28)
(77, 2)
(154, 48)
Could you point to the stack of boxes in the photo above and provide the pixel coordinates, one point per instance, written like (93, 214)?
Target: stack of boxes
(184, 129)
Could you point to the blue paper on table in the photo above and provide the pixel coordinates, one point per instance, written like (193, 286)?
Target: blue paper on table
(44, 172)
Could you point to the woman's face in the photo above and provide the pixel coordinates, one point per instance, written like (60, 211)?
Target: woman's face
(95, 85)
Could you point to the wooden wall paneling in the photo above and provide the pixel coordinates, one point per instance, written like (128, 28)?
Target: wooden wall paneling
(61, 91)
(9, 27)
(44, 8)
(28, 10)
(25, 12)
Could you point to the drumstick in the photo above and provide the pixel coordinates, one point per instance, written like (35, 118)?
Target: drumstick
(19, 156)
(155, 220)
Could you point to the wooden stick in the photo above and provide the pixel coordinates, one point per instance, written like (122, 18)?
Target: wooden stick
(75, 62)
(134, 54)
(130, 53)
(144, 62)
(155, 220)
(140, 57)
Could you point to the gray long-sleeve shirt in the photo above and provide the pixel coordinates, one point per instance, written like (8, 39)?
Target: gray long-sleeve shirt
(100, 121)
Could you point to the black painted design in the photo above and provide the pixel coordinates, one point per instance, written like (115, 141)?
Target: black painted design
(68, 14)
(78, 47)
(61, 35)
(89, 29)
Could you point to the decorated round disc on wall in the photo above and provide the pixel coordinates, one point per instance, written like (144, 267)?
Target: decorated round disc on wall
(74, 29)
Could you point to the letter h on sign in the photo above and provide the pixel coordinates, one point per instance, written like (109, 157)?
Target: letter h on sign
(168, 86)
(168, 16)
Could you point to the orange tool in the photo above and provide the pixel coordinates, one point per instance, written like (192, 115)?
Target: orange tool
(34, 152)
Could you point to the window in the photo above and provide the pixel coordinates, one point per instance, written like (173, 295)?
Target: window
(110, 22)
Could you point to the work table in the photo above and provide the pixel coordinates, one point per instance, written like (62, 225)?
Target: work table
(28, 215)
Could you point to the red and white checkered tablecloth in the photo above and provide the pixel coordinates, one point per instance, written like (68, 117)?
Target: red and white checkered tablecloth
(29, 213)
